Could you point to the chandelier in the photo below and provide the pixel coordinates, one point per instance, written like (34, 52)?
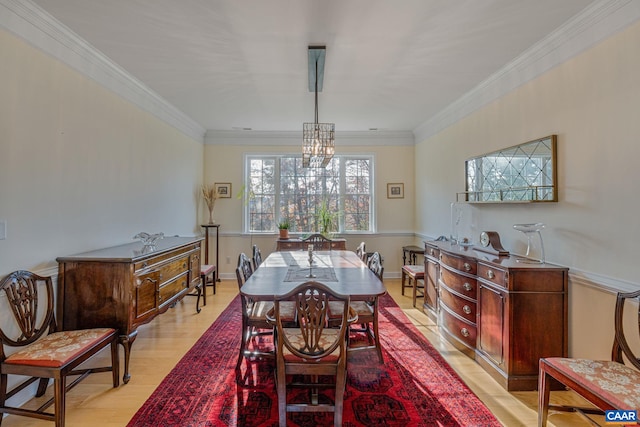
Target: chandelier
(318, 139)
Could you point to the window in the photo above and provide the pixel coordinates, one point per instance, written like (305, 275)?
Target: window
(338, 198)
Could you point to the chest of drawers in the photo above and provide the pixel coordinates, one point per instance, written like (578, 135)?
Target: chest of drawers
(125, 286)
(503, 313)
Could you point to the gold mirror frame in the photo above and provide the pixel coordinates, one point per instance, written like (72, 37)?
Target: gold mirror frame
(524, 173)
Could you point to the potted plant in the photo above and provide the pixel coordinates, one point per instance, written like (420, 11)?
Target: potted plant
(327, 219)
(283, 226)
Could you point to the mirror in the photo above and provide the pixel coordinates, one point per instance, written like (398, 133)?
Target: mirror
(525, 173)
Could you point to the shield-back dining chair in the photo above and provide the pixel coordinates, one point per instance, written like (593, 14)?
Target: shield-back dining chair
(311, 349)
(41, 352)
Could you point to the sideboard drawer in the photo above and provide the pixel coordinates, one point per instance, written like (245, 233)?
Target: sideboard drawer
(339, 245)
(461, 306)
(465, 265)
(461, 284)
(432, 252)
(493, 275)
(288, 246)
(460, 329)
(173, 288)
(174, 268)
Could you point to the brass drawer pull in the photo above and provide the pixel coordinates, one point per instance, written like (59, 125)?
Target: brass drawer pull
(467, 287)
(465, 332)
(490, 274)
(467, 266)
(466, 309)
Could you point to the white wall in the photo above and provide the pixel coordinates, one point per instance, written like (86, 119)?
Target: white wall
(591, 102)
(81, 168)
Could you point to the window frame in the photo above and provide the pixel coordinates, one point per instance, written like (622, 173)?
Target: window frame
(371, 157)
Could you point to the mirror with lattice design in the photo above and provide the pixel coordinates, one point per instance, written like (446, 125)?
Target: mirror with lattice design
(524, 173)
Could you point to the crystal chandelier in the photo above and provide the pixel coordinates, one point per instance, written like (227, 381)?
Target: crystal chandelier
(318, 139)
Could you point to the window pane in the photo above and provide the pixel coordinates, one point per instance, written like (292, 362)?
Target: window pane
(261, 206)
(310, 198)
(357, 195)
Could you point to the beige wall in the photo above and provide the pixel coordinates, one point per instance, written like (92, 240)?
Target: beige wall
(81, 168)
(591, 102)
(395, 217)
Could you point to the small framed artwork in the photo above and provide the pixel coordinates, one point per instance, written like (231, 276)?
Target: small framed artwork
(395, 191)
(223, 189)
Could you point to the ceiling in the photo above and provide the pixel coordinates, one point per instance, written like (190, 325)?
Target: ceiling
(230, 64)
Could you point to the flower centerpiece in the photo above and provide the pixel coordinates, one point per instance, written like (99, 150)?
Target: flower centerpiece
(210, 195)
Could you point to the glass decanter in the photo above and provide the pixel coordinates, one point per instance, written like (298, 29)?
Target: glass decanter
(530, 230)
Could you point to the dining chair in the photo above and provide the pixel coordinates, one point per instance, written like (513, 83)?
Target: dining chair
(368, 314)
(39, 351)
(254, 321)
(311, 349)
(257, 257)
(415, 276)
(362, 252)
(319, 242)
(608, 384)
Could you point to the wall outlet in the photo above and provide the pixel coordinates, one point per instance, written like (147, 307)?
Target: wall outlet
(3, 229)
(228, 260)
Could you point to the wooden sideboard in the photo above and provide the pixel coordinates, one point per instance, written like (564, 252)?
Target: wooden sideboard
(299, 245)
(126, 286)
(503, 313)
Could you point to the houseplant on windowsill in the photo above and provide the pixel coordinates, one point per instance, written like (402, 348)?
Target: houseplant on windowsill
(283, 226)
(327, 219)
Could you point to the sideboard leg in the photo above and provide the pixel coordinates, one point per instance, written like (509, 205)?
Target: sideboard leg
(127, 342)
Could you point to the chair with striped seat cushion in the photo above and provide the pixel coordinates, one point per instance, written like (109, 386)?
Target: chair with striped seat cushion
(43, 352)
(415, 276)
(608, 384)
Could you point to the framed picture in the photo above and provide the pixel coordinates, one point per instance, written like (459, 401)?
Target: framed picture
(223, 189)
(395, 191)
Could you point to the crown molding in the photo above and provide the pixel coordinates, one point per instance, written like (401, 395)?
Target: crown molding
(346, 138)
(28, 21)
(595, 23)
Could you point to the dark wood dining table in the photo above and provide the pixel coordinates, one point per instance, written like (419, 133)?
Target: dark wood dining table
(342, 271)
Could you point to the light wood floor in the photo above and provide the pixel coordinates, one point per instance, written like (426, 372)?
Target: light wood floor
(163, 342)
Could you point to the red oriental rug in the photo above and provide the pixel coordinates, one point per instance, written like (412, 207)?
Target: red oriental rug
(414, 387)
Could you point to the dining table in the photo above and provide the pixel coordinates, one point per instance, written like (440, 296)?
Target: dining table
(342, 271)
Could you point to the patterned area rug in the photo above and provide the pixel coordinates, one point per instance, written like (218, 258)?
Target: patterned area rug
(414, 387)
